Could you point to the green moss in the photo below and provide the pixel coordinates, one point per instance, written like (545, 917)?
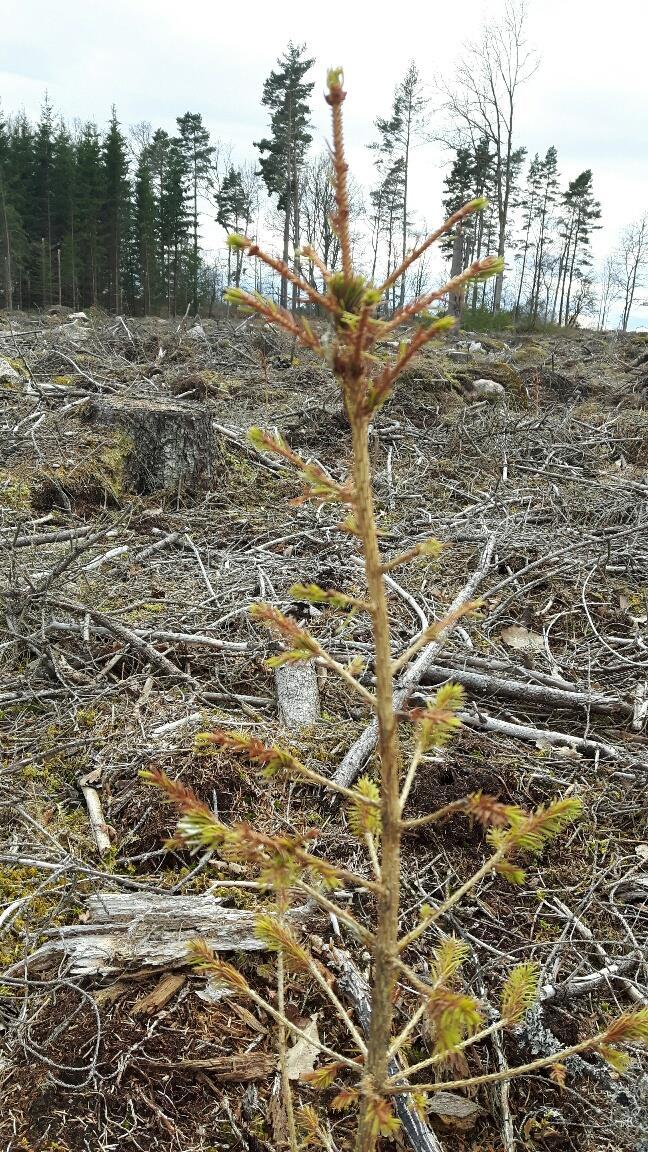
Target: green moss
(100, 477)
(152, 609)
(20, 366)
(15, 492)
(529, 353)
(87, 717)
(40, 910)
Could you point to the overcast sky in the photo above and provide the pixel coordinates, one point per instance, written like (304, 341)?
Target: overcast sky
(155, 59)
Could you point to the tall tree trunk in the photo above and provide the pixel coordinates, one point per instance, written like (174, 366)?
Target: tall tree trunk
(562, 272)
(43, 274)
(405, 190)
(49, 242)
(296, 228)
(524, 259)
(535, 285)
(571, 269)
(629, 296)
(455, 298)
(73, 260)
(477, 256)
(283, 297)
(8, 272)
(195, 234)
(376, 242)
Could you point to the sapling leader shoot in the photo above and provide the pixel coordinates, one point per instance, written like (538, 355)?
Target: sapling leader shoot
(286, 865)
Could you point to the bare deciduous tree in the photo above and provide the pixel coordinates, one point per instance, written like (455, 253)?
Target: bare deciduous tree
(630, 263)
(609, 292)
(481, 100)
(317, 209)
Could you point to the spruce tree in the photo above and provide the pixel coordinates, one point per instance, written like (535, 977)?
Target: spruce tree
(116, 192)
(144, 231)
(197, 153)
(89, 196)
(158, 160)
(17, 179)
(174, 218)
(286, 95)
(40, 207)
(63, 214)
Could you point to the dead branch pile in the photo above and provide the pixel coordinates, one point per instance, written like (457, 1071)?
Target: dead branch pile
(125, 631)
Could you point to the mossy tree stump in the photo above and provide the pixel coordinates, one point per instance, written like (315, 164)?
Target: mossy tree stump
(167, 444)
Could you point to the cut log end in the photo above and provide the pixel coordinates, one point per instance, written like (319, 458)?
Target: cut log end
(297, 695)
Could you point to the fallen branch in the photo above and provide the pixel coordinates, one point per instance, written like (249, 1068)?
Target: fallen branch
(613, 967)
(355, 988)
(51, 537)
(483, 723)
(412, 676)
(538, 694)
(190, 639)
(130, 929)
(234, 1069)
(129, 637)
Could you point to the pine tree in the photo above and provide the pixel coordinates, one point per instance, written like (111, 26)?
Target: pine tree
(197, 153)
(281, 155)
(548, 197)
(581, 211)
(529, 214)
(234, 215)
(396, 139)
(389, 196)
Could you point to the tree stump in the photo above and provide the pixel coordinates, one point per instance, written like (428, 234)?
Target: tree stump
(167, 443)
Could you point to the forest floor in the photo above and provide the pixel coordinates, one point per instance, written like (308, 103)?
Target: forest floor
(125, 632)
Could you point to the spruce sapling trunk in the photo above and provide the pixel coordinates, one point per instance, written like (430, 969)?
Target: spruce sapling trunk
(386, 939)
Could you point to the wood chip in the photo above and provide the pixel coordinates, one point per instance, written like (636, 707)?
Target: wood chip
(249, 1066)
(164, 990)
(522, 639)
(454, 1109)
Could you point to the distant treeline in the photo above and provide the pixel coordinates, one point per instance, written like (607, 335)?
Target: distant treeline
(114, 220)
